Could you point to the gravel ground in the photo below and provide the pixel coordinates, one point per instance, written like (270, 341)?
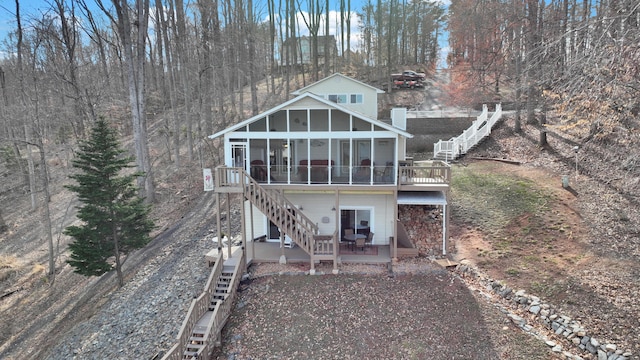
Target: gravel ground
(419, 312)
(142, 319)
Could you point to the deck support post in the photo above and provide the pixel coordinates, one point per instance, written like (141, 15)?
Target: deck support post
(444, 229)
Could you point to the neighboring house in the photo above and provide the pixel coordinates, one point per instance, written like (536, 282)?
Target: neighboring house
(304, 53)
(320, 171)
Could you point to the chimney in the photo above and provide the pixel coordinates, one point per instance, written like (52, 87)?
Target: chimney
(399, 118)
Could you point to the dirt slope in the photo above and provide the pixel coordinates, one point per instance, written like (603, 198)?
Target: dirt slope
(578, 249)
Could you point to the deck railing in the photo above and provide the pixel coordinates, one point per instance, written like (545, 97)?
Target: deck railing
(325, 244)
(459, 145)
(436, 173)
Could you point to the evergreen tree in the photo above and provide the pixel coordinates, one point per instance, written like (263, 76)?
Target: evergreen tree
(115, 220)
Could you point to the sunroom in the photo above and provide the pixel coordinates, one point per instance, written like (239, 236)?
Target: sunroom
(320, 144)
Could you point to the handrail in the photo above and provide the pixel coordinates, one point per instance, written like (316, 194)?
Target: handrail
(222, 310)
(278, 208)
(198, 307)
(479, 129)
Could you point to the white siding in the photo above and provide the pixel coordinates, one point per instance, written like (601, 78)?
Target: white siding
(316, 206)
(340, 85)
(260, 222)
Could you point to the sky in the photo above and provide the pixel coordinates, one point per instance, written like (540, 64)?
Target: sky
(31, 9)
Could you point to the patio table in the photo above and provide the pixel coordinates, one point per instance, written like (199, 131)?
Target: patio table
(351, 238)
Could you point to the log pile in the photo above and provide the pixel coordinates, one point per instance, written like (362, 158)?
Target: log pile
(424, 226)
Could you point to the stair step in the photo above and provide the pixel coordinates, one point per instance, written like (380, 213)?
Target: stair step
(189, 354)
(197, 339)
(194, 347)
(199, 331)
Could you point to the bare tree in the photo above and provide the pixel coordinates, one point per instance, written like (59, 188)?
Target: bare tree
(135, 58)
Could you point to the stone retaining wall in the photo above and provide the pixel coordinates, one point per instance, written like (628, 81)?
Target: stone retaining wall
(565, 336)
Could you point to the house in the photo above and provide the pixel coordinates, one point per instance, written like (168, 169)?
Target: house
(320, 173)
(303, 47)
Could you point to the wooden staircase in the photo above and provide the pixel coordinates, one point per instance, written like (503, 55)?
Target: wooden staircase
(222, 290)
(202, 327)
(283, 214)
(278, 209)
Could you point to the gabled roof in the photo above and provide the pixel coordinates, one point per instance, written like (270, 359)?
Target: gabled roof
(316, 98)
(301, 90)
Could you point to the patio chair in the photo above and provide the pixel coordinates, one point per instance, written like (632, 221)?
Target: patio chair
(348, 232)
(369, 239)
(258, 170)
(363, 173)
(360, 243)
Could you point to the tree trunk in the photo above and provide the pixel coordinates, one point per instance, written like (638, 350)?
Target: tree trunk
(518, 28)
(136, 83)
(31, 168)
(44, 173)
(532, 36)
(69, 38)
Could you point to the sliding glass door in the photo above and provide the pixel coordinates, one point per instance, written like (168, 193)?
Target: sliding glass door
(357, 219)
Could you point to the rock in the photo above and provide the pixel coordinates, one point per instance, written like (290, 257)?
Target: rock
(516, 319)
(594, 342)
(611, 347)
(550, 343)
(506, 292)
(556, 349)
(602, 355)
(534, 309)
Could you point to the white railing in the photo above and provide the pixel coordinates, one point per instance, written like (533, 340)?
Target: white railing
(459, 145)
(426, 114)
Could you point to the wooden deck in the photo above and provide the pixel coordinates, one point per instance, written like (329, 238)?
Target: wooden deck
(270, 252)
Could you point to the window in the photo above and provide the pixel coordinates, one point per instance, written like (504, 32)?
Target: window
(356, 98)
(338, 98)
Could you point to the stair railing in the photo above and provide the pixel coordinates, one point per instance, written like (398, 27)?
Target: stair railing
(479, 129)
(280, 211)
(222, 309)
(273, 204)
(198, 307)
